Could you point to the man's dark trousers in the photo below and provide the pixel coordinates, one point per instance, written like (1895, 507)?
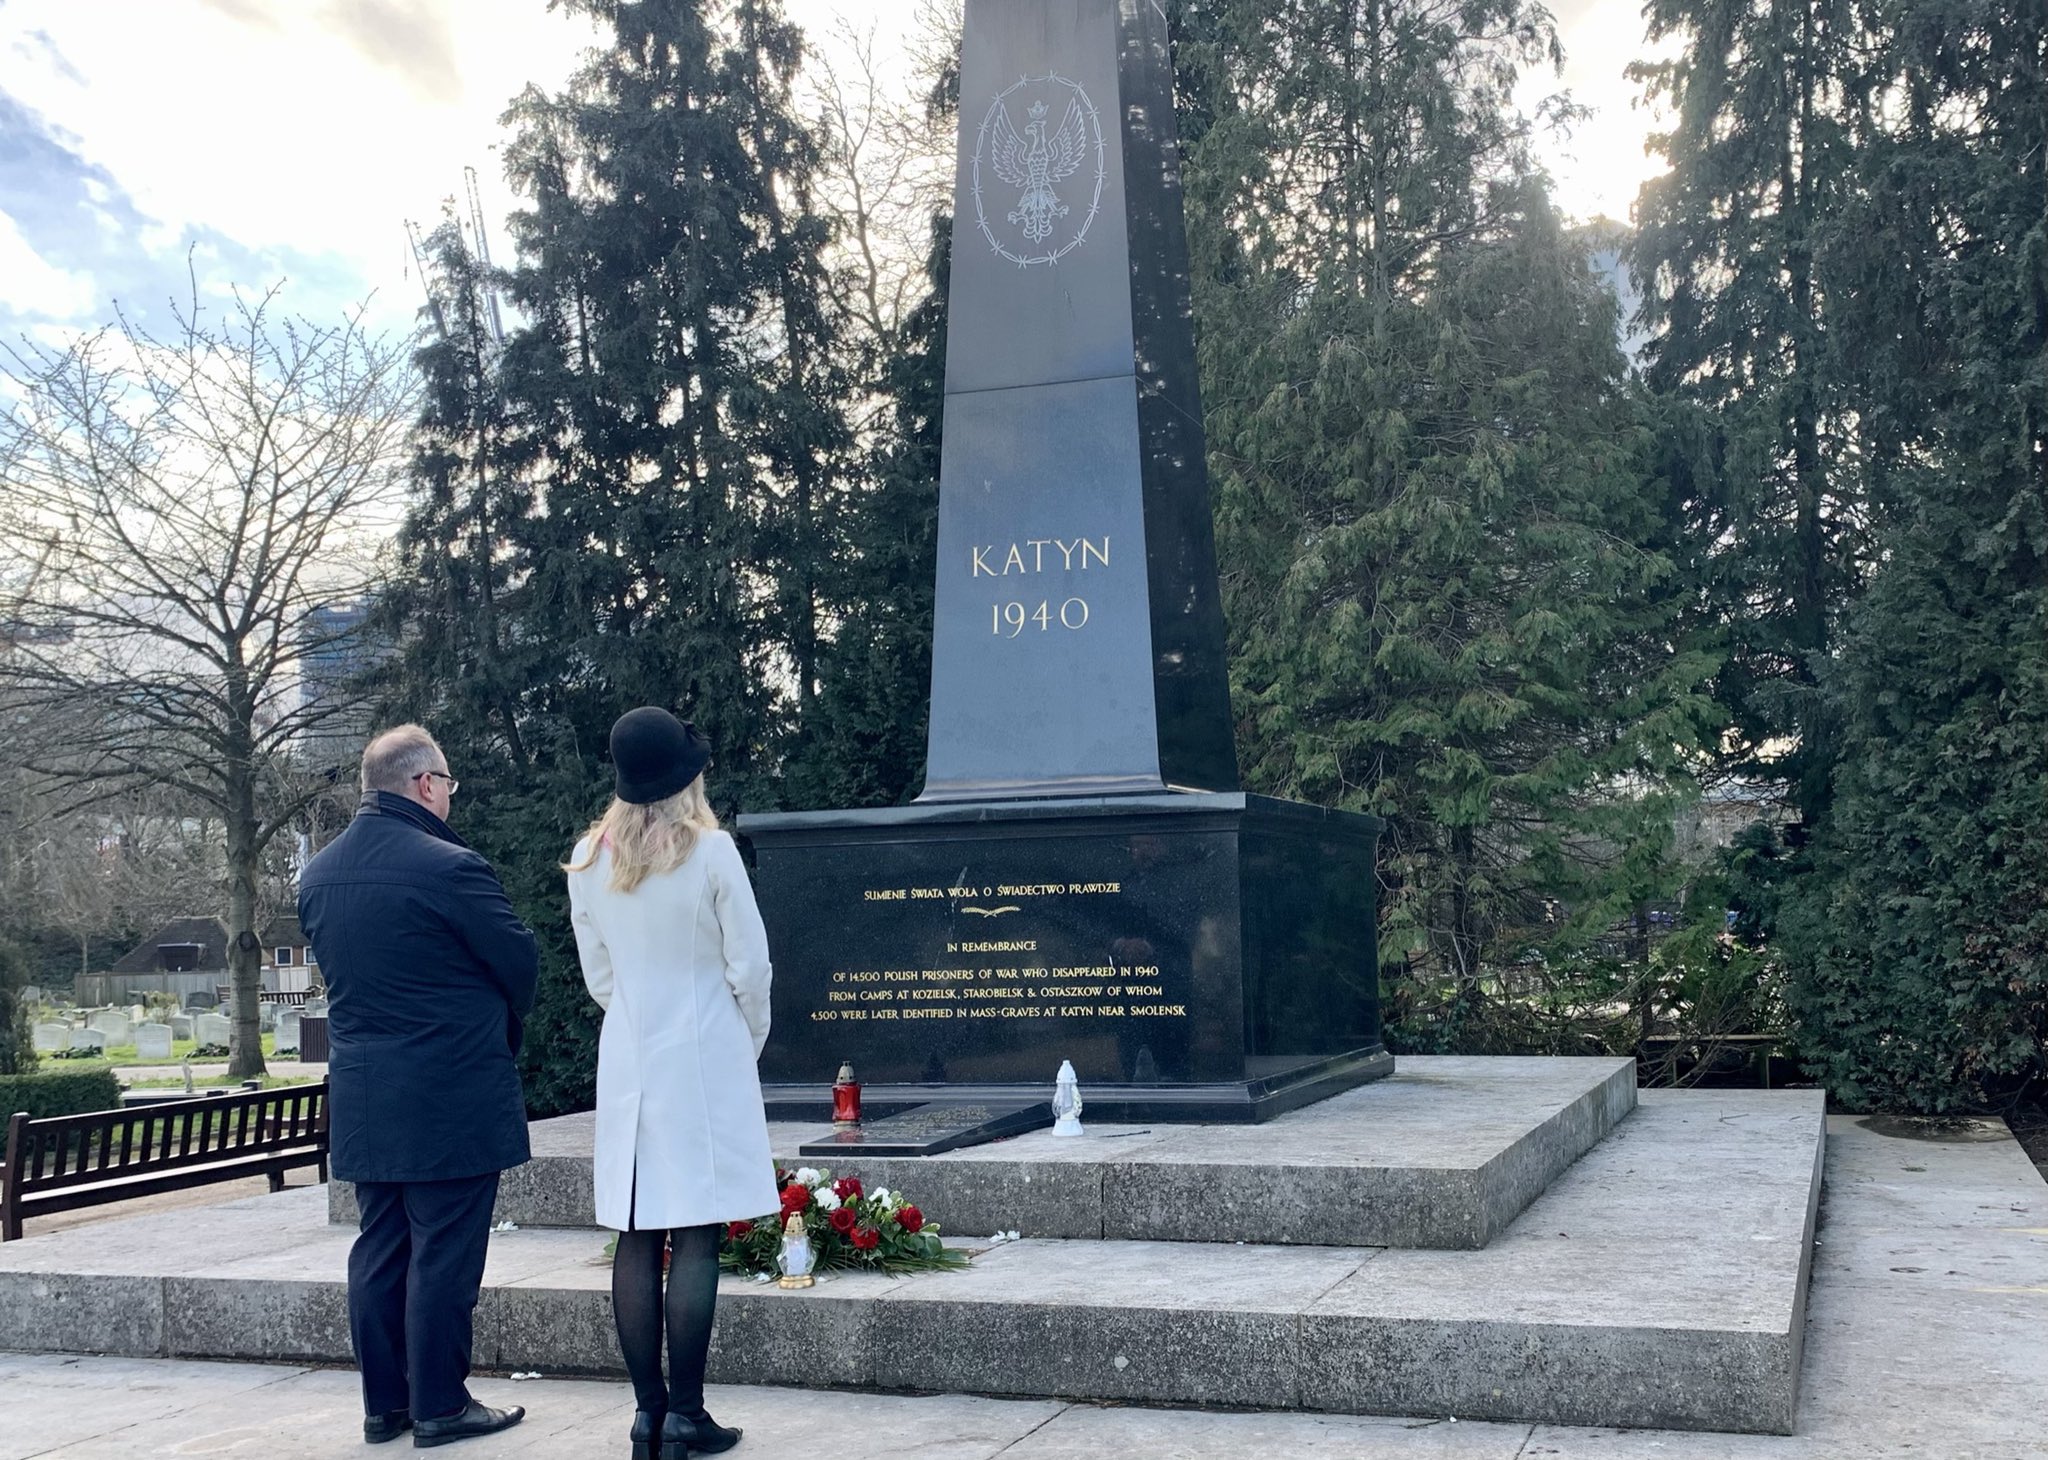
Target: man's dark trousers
(413, 1277)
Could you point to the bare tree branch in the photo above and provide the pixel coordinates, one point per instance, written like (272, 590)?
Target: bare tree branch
(179, 517)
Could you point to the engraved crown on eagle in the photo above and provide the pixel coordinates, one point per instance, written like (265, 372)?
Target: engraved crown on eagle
(1034, 162)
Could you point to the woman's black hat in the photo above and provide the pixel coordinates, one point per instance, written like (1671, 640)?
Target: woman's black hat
(655, 755)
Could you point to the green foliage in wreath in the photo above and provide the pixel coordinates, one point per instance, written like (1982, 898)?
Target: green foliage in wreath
(851, 1229)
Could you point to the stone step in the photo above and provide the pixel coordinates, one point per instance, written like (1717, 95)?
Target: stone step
(1443, 1153)
(1661, 1282)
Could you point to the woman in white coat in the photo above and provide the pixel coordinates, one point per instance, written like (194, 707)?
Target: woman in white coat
(673, 948)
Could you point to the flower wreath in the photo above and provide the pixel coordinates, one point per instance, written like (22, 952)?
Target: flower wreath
(849, 1227)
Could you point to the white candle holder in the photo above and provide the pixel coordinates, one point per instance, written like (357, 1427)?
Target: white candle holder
(798, 1260)
(1066, 1102)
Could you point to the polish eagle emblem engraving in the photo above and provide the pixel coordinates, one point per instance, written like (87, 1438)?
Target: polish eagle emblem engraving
(1049, 165)
(1035, 161)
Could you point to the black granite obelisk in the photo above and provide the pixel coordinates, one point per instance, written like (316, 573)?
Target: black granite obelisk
(1081, 878)
(1078, 639)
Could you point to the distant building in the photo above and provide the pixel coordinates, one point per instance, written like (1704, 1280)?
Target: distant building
(336, 652)
(1728, 809)
(190, 956)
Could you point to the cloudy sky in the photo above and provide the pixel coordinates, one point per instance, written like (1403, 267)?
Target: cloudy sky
(258, 140)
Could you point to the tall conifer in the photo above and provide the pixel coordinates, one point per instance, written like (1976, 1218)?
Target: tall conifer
(1431, 497)
(665, 439)
(1919, 931)
(863, 742)
(1766, 100)
(668, 387)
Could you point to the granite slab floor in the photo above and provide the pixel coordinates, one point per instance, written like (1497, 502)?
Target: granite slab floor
(1658, 1282)
(1927, 1339)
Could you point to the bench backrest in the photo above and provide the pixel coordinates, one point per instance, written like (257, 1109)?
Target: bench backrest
(284, 998)
(78, 1150)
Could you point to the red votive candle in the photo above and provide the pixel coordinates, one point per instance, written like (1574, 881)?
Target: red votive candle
(846, 1097)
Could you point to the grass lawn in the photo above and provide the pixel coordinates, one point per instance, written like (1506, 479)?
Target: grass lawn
(215, 1082)
(123, 1056)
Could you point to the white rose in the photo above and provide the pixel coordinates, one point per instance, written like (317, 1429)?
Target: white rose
(826, 1199)
(809, 1175)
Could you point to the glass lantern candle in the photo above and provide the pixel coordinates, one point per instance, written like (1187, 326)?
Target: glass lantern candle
(797, 1258)
(846, 1098)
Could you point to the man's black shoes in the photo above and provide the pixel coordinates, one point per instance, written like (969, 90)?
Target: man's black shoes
(377, 1428)
(476, 1420)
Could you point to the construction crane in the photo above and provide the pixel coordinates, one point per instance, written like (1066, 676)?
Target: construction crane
(483, 255)
(419, 257)
(480, 243)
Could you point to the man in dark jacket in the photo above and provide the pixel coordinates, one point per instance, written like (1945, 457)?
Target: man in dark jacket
(429, 973)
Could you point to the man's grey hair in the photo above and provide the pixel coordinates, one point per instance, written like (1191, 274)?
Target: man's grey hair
(395, 757)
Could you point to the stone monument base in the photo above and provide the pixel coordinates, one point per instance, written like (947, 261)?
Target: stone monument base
(1490, 1238)
(1221, 1102)
(1198, 956)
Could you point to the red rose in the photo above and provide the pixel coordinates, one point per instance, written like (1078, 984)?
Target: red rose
(739, 1231)
(866, 1239)
(795, 1197)
(911, 1218)
(847, 1188)
(843, 1220)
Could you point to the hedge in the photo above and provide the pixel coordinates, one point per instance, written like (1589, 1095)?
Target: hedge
(65, 1093)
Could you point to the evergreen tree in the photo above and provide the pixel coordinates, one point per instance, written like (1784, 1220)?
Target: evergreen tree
(1760, 427)
(459, 578)
(1430, 481)
(1919, 931)
(667, 386)
(863, 744)
(628, 508)
(17, 1028)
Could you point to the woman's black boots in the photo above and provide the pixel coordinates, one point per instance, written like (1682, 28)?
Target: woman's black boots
(684, 1435)
(647, 1434)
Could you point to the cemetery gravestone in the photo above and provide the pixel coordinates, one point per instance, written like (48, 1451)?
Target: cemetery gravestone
(31, 994)
(1081, 878)
(153, 1041)
(181, 1026)
(210, 1028)
(288, 1029)
(88, 1038)
(266, 1017)
(112, 1023)
(52, 1037)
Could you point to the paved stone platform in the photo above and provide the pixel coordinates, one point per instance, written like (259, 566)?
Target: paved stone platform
(1927, 1337)
(1661, 1281)
(1444, 1153)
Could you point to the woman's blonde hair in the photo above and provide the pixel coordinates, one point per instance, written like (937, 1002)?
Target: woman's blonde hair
(647, 840)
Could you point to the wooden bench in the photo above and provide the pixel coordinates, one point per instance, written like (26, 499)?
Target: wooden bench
(62, 1163)
(224, 995)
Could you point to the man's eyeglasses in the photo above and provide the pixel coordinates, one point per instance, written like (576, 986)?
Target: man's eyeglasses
(453, 784)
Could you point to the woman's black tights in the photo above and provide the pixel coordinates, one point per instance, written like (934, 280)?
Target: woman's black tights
(640, 1312)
